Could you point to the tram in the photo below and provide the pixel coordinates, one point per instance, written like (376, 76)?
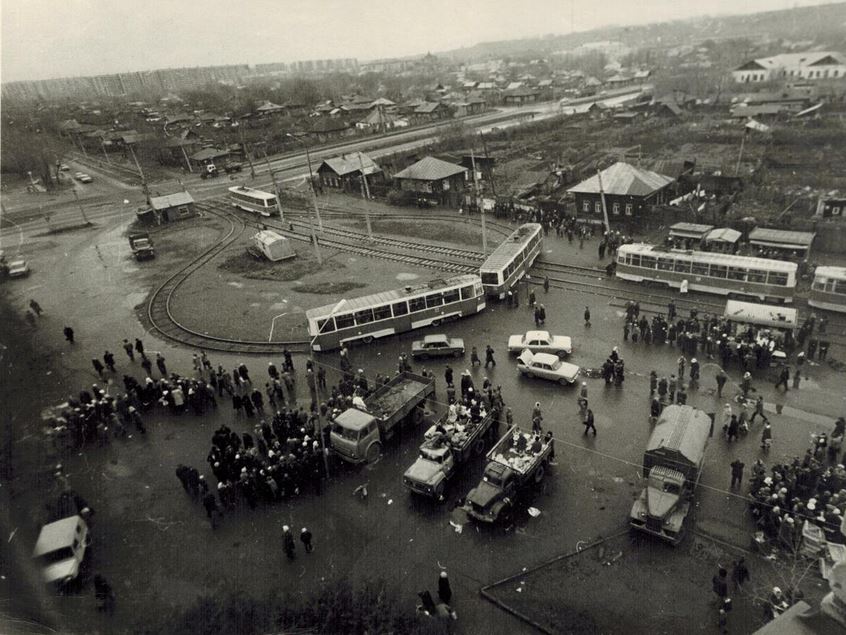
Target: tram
(828, 290)
(722, 274)
(511, 259)
(252, 200)
(388, 313)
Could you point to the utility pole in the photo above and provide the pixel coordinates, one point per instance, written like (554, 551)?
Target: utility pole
(485, 148)
(141, 172)
(740, 154)
(78, 202)
(247, 155)
(604, 208)
(313, 191)
(365, 192)
(481, 207)
(275, 187)
(105, 154)
(185, 156)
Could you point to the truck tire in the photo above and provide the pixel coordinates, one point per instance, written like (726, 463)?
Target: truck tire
(374, 451)
(539, 474)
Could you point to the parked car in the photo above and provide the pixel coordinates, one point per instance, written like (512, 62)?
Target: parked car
(540, 342)
(18, 269)
(82, 177)
(60, 550)
(437, 346)
(64, 167)
(547, 366)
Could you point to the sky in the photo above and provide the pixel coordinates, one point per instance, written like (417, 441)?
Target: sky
(60, 38)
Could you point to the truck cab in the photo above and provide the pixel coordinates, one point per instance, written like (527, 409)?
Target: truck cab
(429, 473)
(493, 494)
(355, 436)
(662, 506)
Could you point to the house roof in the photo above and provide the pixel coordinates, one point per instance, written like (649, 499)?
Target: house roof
(329, 125)
(350, 163)
(377, 117)
(382, 101)
(622, 179)
(756, 111)
(430, 169)
(803, 60)
(208, 153)
(670, 106)
(781, 237)
(269, 106)
(520, 92)
(179, 117)
(427, 107)
(159, 203)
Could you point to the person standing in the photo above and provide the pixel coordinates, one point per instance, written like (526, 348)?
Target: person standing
(783, 378)
(139, 347)
(104, 594)
(212, 510)
(305, 537)
(288, 542)
(587, 317)
(531, 298)
(444, 588)
(109, 360)
(739, 573)
(589, 422)
(127, 346)
(653, 382)
(448, 375)
(719, 585)
(147, 365)
(489, 356)
(98, 366)
(68, 331)
(474, 358)
(737, 473)
(36, 308)
(546, 284)
(766, 437)
(160, 364)
(796, 378)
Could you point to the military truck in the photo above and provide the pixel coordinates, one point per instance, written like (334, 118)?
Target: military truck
(515, 462)
(358, 434)
(672, 465)
(442, 455)
(142, 246)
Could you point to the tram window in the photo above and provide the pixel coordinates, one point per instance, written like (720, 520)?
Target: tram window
(819, 284)
(756, 275)
(400, 308)
(344, 321)
(382, 312)
(436, 299)
(838, 287)
(648, 262)
(466, 293)
(682, 266)
(777, 277)
(326, 326)
(634, 260)
(699, 269)
(451, 296)
(364, 316)
(665, 264)
(490, 278)
(736, 274)
(718, 271)
(417, 304)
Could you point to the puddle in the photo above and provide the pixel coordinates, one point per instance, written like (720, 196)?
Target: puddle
(255, 304)
(239, 285)
(407, 276)
(279, 306)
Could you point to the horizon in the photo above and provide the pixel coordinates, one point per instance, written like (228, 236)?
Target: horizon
(101, 38)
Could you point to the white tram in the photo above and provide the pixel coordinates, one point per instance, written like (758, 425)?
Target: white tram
(723, 274)
(511, 259)
(828, 290)
(252, 200)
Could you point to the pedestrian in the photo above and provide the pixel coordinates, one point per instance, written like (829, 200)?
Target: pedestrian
(653, 382)
(98, 366)
(737, 473)
(212, 510)
(681, 362)
(672, 386)
(147, 365)
(719, 585)
(531, 298)
(722, 377)
(796, 378)
(30, 318)
(759, 410)
(588, 422)
(321, 378)
(127, 346)
(68, 331)
(160, 364)
(733, 429)
(104, 594)
(783, 378)
(739, 573)
(681, 395)
(766, 437)
(448, 374)
(288, 542)
(474, 357)
(546, 284)
(305, 536)
(109, 360)
(746, 384)
(36, 308)
(489, 356)
(444, 588)
(139, 347)
(587, 317)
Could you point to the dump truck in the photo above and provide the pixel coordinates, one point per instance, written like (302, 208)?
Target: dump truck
(672, 464)
(442, 454)
(142, 246)
(518, 459)
(358, 433)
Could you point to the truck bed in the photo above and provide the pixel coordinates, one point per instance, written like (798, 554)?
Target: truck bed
(506, 452)
(460, 435)
(394, 396)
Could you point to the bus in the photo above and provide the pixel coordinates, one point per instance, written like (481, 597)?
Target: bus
(723, 274)
(250, 200)
(511, 259)
(390, 312)
(828, 290)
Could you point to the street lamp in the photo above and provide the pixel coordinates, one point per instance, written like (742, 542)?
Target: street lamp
(311, 178)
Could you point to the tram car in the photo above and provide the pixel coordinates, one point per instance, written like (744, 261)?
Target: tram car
(510, 261)
(721, 274)
(828, 290)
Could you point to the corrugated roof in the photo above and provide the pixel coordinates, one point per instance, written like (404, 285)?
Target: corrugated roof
(427, 108)
(723, 235)
(622, 179)
(159, 203)
(693, 230)
(386, 297)
(781, 236)
(430, 169)
(208, 153)
(349, 163)
(510, 246)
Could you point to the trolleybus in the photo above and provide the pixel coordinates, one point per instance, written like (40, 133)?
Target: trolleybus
(250, 200)
(828, 290)
(511, 259)
(391, 312)
(723, 274)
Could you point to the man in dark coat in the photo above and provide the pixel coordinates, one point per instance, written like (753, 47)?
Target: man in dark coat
(444, 588)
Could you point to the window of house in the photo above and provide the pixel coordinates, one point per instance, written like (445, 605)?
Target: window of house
(629, 209)
(400, 308)
(597, 207)
(616, 209)
(585, 206)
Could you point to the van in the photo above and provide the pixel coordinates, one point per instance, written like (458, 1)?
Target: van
(60, 550)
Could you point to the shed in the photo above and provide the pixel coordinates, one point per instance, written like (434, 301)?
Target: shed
(782, 242)
(172, 206)
(779, 317)
(723, 239)
(273, 246)
(693, 231)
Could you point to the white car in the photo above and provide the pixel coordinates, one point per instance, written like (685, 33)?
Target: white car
(18, 269)
(60, 549)
(83, 178)
(540, 342)
(547, 366)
